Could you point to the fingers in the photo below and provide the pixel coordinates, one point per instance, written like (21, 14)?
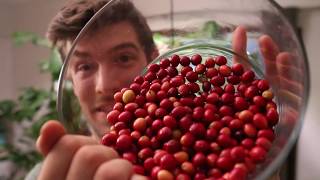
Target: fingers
(57, 162)
(116, 169)
(138, 177)
(50, 133)
(269, 51)
(289, 74)
(87, 160)
(239, 43)
(268, 47)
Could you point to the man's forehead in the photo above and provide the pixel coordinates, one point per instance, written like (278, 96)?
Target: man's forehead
(107, 39)
(85, 51)
(121, 29)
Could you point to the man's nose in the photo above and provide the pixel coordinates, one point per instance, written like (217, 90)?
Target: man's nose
(106, 81)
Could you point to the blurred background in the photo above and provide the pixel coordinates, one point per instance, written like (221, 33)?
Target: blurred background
(29, 69)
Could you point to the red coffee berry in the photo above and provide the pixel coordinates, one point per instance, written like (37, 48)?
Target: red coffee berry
(181, 156)
(188, 168)
(263, 85)
(168, 162)
(164, 63)
(164, 134)
(211, 72)
(145, 153)
(197, 129)
(171, 146)
(131, 107)
(192, 76)
(201, 146)
(220, 60)
(112, 116)
(250, 130)
(272, 116)
(130, 156)
(199, 159)
(196, 59)
(149, 164)
(187, 139)
(185, 61)
(260, 121)
(154, 68)
(185, 70)
(225, 70)
(267, 133)
(210, 62)
(238, 153)
(237, 69)
(200, 69)
(124, 142)
(175, 60)
(164, 175)
(138, 169)
(264, 143)
(138, 79)
(109, 139)
(258, 154)
(125, 116)
(225, 163)
(248, 76)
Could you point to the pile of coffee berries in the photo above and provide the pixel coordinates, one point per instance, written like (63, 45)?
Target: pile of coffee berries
(193, 118)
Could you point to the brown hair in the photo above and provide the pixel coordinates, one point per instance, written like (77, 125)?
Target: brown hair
(69, 21)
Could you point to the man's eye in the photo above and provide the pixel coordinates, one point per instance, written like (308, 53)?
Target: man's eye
(84, 67)
(124, 59)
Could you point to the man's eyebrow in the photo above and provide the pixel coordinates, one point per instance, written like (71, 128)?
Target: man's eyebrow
(81, 54)
(124, 46)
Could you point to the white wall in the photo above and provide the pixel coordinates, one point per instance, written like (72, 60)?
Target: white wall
(308, 162)
(19, 65)
(32, 17)
(6, 75)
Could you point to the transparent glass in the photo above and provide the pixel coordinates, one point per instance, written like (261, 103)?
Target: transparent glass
(183, 27)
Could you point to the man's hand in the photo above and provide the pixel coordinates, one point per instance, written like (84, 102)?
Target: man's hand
(280, 67)
(281, 70)
(75, 157)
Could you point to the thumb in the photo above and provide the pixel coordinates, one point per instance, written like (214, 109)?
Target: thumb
(239, 43)
(50, 134)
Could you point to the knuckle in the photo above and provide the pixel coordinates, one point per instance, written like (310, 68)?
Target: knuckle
(88, 155)
(69, 142)
(95, 154)
(111, 170)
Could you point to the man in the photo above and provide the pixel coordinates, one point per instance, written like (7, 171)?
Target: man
(115, 48)
(111, 53)
(105, 60)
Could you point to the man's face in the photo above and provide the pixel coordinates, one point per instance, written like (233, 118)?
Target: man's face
(104, 62)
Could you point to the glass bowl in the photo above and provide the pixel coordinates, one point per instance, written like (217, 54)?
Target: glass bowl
(184, 27)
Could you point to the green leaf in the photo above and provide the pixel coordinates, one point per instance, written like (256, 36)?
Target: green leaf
(32, 98)
(52, 65)
(21, 38)
(55, 64)
(211, 29)
(30, 101)
(45, 65)
(34, 131)
(6, 107)
(24, 160)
